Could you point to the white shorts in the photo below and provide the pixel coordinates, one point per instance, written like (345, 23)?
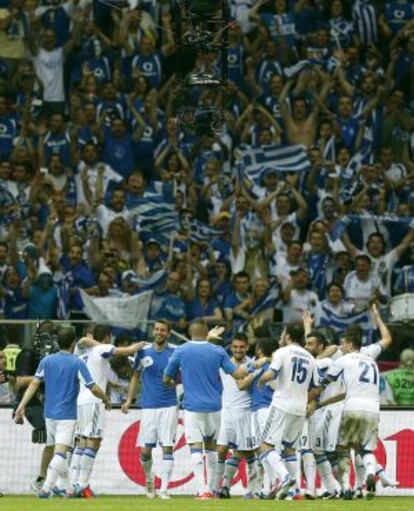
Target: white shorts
(60, 432)
(324, 428)
(158, 426)
(201, 426)
(259, 418)
(91, 420)
(283, 429)
(304, 441)
(359, 429)
(236, 430)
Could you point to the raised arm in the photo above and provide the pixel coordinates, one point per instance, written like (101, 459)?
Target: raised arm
(386, 337)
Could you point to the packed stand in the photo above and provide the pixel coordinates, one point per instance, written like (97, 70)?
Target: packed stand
(303, 202)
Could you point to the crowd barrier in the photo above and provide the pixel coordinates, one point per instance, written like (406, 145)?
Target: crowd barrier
(118, 469)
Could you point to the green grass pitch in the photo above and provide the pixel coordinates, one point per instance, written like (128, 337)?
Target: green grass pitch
(190, 504)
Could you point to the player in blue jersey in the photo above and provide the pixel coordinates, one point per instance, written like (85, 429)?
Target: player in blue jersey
(261, 400)
(200, 363)
(159, 406)
(61, 374)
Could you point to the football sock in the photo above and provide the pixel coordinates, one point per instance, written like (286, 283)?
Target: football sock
(166, 470)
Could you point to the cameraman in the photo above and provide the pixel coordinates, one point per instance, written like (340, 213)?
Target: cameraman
(26, 365)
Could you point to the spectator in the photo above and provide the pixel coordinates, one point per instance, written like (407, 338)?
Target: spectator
(203, 306)
(401, 380)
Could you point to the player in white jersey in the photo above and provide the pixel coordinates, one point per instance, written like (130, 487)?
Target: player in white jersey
(293, 368)
(360, 416)
(95, 352)
(332, 412)
(313, 454)
(236, 424)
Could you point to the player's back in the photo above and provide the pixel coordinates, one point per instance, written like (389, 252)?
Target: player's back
(361, 379)
(61, 374)
(200, 364)
(294, 367)
(96, 358)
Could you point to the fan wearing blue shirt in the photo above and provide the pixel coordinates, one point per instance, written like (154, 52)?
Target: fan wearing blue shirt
(200, 363)
(61, 374)
(159, 414)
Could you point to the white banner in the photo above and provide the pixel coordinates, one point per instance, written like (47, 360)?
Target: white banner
(118, 469)
(125, 312)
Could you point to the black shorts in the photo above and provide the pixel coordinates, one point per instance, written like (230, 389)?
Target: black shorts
(34, 415)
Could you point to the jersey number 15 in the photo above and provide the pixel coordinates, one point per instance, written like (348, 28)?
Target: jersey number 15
(299, 369)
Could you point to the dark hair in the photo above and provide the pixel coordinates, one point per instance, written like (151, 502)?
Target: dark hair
(122, 339)
(330, 334)
(363, 257)
(240, 336)
(101, 331)
(164, 322)
(376, 234)
(295, 331)
(66, 336)
(319, 336)
(354, 335)
(267, 346)
(335, 284)
(242, 275)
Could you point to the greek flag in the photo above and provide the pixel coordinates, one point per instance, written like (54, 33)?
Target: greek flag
(155, 281)
(268, 301)
(297, 68)
(365, 21)
(329, 152)
(340, 324)
(155, 218)
(338, 228)
(200, 231)
(255, 161)
(63, 289)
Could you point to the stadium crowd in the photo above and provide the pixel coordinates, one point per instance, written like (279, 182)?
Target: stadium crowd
(103, 188)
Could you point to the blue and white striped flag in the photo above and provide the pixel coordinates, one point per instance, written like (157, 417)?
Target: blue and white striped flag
(156, 281)
(365, 21)
(338, 228)
(268, 301)
(200, 231)
(255, 161)
(63, 290)
(329, 152)
(340, 324)
(155, 218)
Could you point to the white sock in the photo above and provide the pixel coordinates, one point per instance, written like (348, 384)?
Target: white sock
(370, 463)
(87, 462)
(344, 470)
(166, 470)
(385, 480)
(212, 466)
(58, 467)
(309, 469)
(273, 466)
(147, 466)
(230, 469)
(359, 471)
(220, 473)
(291, 463)
(252, 474)
(198, 470)
(325, 472)
(75, 465)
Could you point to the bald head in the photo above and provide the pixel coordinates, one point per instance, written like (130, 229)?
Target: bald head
(198, 330)
(407, 357)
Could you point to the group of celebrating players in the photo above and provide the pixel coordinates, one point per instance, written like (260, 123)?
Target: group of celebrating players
(300, 396)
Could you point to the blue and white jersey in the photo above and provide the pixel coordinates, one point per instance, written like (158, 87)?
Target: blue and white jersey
(261, 397)
(8, 132)
(280, 25)
(152, 363)
(266, 69)
(365, 21)
(58, 143)
(150, 67)
(398, 14)
(62, 373)
(200, 363)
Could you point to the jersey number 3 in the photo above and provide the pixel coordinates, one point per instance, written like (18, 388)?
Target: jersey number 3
(299, 369)
(369, 373)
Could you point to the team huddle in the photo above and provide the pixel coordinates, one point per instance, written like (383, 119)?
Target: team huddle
(299, 406)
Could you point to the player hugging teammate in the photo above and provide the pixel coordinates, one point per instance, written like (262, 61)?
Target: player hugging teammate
(299, 403)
